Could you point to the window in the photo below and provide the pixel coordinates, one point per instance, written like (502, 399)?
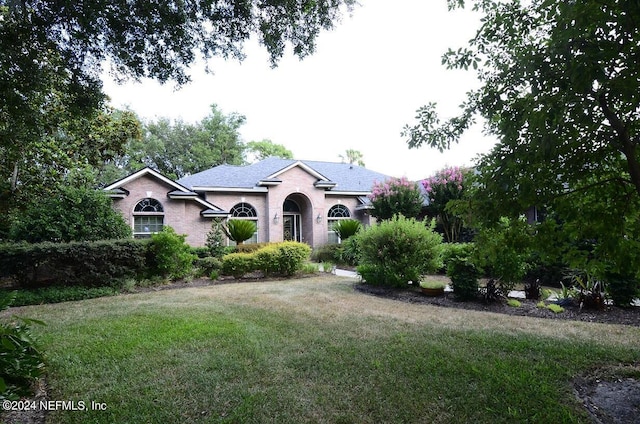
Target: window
(148, 218)
(248, 212)
(243, 210)
(336, 213)
(290, 206)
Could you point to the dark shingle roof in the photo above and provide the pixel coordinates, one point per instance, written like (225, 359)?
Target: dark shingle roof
(346, 176)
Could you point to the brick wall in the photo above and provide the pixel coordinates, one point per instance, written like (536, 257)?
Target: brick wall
(183, 215)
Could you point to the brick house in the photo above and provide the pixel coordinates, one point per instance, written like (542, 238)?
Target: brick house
(287, 199)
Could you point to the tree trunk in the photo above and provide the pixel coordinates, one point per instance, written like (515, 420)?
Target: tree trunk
(14, 177)
(626, 146)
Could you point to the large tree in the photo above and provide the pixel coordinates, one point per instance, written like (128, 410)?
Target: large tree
(259, 150)
(35, 168)
(352, 156)
(52, 53)
(177, 148)
(560, 87)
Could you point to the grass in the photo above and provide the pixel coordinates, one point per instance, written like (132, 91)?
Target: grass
(314, 350)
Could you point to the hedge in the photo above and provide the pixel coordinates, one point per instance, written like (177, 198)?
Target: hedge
(285, 258)
(77, 263)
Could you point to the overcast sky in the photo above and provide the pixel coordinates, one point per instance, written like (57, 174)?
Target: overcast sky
(363, 84)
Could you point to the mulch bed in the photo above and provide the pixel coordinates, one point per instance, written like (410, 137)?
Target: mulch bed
(610, 315)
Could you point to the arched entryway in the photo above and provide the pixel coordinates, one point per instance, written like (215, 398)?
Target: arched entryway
(296, 222)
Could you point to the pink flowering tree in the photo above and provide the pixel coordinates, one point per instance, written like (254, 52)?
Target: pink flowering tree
(396, 196)
(446, 185)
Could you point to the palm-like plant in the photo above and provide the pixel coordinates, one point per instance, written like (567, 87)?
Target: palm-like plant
(239, 230)
(346, 228)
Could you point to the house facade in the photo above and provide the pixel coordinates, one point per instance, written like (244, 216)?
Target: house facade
(287, 199)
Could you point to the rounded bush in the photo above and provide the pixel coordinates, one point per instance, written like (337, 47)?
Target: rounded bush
(208, 265)
(451, 251)
(170, 255)
(464, 278)
(285, 258)
(266, 260)
(291, 256)
(397, 251)
(238, 264)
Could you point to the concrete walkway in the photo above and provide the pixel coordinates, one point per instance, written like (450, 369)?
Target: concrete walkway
(346, 273)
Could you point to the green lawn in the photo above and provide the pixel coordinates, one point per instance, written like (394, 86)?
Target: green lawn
(313, 350)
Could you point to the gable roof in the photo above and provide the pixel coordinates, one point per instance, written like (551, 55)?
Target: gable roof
(337, 177)
(179, 191)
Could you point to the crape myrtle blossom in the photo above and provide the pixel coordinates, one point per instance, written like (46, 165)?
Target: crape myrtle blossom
(396, 196)
(446, 185)
(448, 179)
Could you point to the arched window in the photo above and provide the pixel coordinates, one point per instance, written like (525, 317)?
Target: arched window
(290, 206)
(243, 210)
(339, 211)
(246, 211)
(336, 213)
(148, 218)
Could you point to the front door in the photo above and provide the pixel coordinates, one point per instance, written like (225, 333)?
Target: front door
(291, 227)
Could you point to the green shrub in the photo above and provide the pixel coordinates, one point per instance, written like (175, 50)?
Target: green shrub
(169, 254)
(349, 252)
(346, 228)
(622, 289)
(215, 240)
(326, 253)
(454, 250)
(238, 264)
(21, 363)
(248, 248)
(76, 263)
(285, 258)
(200, 252)
(464, 278)
(292, 256)
(266, 260)
(57, 294)
(504, 251)
(71, 214)
(206, 266)
(397, 251)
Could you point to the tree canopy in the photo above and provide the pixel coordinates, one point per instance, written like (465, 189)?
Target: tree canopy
(259, 150)
(560, 89)
(73, 214)
(52, 55)
(353, 156)
(177, 148)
